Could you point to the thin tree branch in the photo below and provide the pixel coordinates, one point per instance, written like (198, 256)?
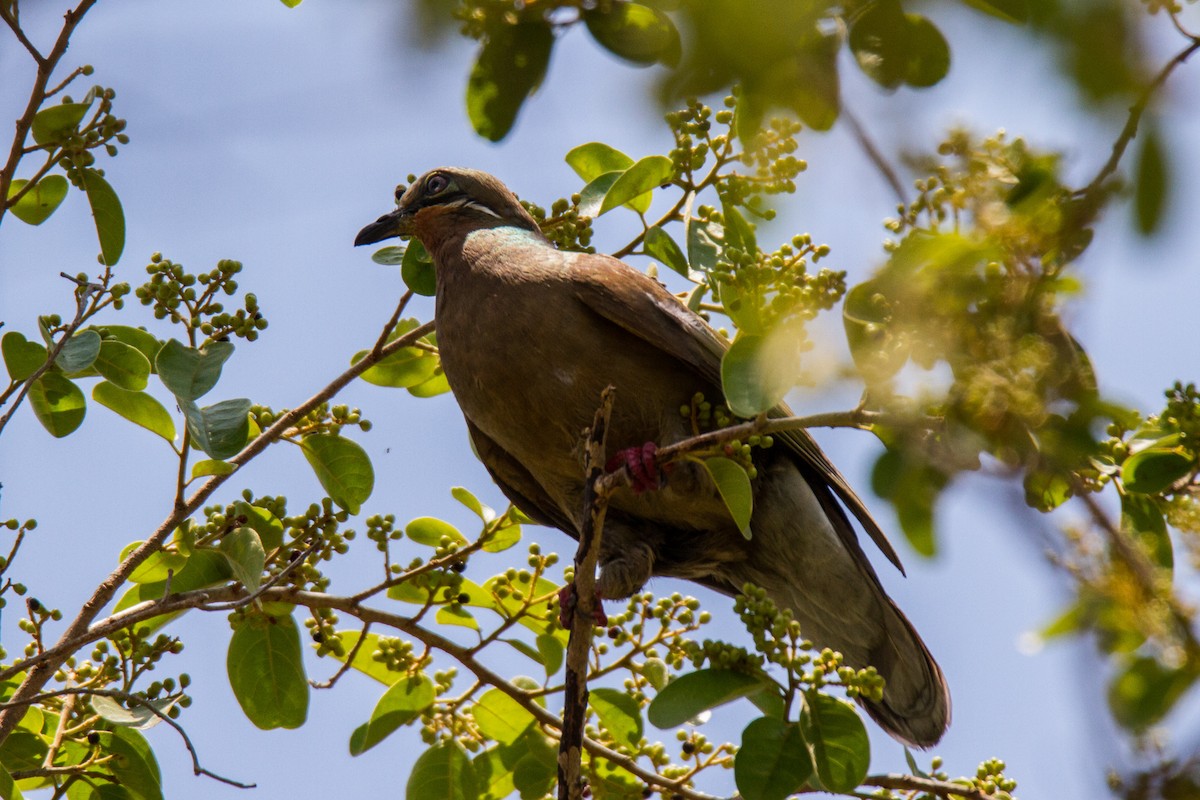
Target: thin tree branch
(875, 156)
(1131, 124)
(37, 95)
(583, 590)
(104, 592)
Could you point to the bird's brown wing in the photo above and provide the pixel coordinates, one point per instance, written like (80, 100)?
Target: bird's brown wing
(518, 485)
(642, 306)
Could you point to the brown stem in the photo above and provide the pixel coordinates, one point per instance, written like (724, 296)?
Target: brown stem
(37, 94)
(1131, 124)
(575, 691)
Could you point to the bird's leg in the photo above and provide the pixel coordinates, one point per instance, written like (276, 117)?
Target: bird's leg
(642, 465)
(568, 599)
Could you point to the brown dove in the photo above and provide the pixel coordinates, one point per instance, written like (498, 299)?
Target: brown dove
(530, 335)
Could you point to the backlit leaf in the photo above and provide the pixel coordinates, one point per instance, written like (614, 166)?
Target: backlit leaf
(619, 713)
(137, 407)
(443, 772)
(37, 204)
(690, 694)
(593, 159)
(57, 403)
(635, 32)
(246, 556)
(510, 67)
(733, 484)
(400, 705)
(53, 122)
(22, 357)
(640, 179)
(837, 741)
(107, 213)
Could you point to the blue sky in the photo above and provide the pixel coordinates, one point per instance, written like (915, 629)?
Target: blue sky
(271, 136)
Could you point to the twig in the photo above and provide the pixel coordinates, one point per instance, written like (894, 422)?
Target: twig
(75, 691)
(583, 587)
(1135, 116)
(876, 157)
(347, 664)
(914, 783)
(37, 677)
(37, 95)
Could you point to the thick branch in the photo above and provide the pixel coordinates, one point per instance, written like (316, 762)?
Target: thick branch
(575, 691)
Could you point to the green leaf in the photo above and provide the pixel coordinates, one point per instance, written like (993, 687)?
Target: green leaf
(1015, 11)
(594, 159)
(418, 271)
(659, 244)
(1142, 519)
(189, 373)
(342, 467)
(135, 767)
(57, 403)
(220, 430)
(646, 175)
(22, 357)
(688, 695)
(619, 713)
(500, 717)
(107, 212)
(739, 232)
(79, 352)
(139, 717)
(811, 83)
(866, 316)
(734, 486)
(246, 556)
(1144, 691)
(37, 204)
(592, 196)
(1150, 196)
(430, 531)
(400, 705)
(137, 407)
(404, 369)
(913, 487)
(551, 652)
(929, 54)
(635, 32)
(702, 239)
(211, 467)
(23, 750)
(773, 761)
(291, 3)
(268, 527)
(464, 496)
(157, 566)
(363, 662)
(123, 365)
(8, 787)
(893, 47)
(204, 568)
(509, 68)
(432, 387)
(54, 122)
(1154, 469)
(503, 539)
(434, 584)
(143, 341)
(390, 256)
(757, 371)
(456, 615)
(266, 672)
(837, 741)
(443, 772)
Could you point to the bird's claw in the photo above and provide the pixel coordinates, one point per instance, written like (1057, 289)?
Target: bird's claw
(642, 465)
(568, 600)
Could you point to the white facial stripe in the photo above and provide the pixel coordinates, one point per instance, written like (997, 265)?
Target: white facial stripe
(467, 202)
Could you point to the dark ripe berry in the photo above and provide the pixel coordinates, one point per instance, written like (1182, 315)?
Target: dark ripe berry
(688, 748)
(614, 632)
(318, 637)
(459, 566)
(93, 738)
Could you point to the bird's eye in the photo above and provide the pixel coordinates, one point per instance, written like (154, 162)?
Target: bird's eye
(436, 183)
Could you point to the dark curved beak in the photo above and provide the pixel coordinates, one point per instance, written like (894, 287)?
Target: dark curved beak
(386, 227)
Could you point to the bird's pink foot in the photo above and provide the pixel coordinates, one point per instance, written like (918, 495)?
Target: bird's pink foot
(642, 464)
(568, 599)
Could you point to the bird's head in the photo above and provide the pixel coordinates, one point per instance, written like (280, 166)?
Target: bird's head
(445, 200)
